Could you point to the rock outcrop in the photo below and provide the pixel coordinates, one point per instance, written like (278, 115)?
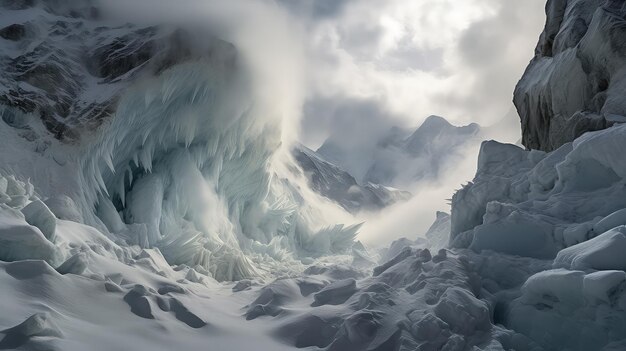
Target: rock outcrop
(60, 62)
(577, 80)
(340, 186)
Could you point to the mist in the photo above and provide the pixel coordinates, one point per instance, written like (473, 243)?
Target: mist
(316, 71)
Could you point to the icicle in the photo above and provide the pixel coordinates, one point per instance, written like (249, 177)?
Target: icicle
(100, 183)
(121, 192)
(130, 176)
(109, 161)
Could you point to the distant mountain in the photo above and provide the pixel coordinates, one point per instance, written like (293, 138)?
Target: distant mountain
(401, 157)
(338, 185)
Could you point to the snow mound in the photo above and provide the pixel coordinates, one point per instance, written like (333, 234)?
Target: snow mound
(555, 302)
(603, 252)
(39, 327)
(21, 241)
(416, 301)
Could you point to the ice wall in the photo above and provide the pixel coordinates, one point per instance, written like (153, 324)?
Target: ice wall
(159, 136)
(186, 165)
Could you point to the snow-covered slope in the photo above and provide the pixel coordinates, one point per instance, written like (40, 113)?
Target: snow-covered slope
(576, 81)
(401, 157)
(338, 185)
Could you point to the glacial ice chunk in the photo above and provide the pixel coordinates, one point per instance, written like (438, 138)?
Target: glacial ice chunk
(599, 285)
(335, 293)
(21, 241)
(39, 215)
(39, 324)
(604, 252)
(64, 207)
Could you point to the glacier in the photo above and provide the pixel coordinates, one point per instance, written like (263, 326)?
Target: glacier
(150, 200)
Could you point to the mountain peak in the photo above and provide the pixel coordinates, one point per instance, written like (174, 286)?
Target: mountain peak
(435, 121)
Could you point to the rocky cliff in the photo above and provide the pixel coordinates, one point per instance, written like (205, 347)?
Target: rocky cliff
(577, 80)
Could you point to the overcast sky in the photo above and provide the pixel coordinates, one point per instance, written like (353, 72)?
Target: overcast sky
(380, 63)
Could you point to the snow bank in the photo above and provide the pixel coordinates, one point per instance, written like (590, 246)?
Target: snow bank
(556, 302)
(27, 234)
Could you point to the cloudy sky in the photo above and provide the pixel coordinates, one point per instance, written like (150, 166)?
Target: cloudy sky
(354, 68)
(372, 64)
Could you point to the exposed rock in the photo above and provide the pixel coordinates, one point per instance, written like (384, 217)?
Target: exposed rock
(183, 314)
(137, 299)
(576, 82)
(72, 77)
(13, 32)
(340, 186)
(76, 264)
(400, 157)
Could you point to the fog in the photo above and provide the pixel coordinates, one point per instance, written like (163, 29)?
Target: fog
(356, 68)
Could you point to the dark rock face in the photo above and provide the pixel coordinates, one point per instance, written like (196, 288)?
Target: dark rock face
(576, 81)
(69, 70)
(338, 185)
(13, 32)
(402, 157)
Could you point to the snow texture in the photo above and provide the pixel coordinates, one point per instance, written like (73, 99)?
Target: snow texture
(177, 219)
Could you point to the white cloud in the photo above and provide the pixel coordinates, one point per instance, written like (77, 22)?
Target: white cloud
(457, 59)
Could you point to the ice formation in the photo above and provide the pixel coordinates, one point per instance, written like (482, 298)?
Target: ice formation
(175, 152)
(150, 201)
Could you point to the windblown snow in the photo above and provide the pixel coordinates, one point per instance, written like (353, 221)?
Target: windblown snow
(150, 202)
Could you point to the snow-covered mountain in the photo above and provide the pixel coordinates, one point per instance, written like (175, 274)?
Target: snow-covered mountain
(401, 157)
(338, 185)
(139, 166)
